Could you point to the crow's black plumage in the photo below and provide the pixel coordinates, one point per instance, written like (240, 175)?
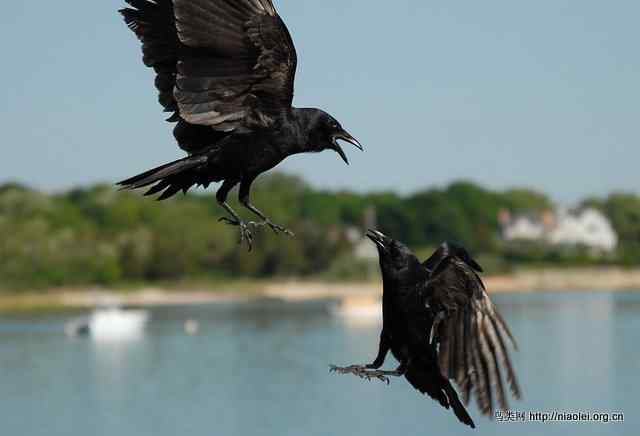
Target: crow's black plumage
(439, 323)
(225, 70)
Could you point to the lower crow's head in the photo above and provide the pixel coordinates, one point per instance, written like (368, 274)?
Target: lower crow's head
(325, 132)
(396, 260)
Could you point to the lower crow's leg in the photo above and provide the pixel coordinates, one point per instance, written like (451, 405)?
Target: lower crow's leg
(234, 220)
(368, 371)
(371, 370)
(244, 199)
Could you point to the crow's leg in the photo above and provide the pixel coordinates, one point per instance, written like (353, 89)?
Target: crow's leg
(383, 349)
(235, 220)
(267, 222)
(243, 196)
(369, 370)
(365, 371)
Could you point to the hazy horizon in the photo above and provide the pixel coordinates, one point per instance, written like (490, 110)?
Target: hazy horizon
(540, 95)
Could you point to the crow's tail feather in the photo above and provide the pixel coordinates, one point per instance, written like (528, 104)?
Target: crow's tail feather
(458, 407)
(170, 178)
(429, 381)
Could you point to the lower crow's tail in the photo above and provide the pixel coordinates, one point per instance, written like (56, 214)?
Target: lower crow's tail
(175, 176)
(428, 380)
(457, 406)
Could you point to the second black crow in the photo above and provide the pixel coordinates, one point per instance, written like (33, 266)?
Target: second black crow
(440, 324)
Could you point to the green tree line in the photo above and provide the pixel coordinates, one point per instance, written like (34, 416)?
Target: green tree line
(98, 235)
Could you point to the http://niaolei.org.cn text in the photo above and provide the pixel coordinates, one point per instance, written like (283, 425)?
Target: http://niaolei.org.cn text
(558, 416)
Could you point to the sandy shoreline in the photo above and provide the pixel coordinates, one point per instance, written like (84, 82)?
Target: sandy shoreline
(583, 279)
(524, 281)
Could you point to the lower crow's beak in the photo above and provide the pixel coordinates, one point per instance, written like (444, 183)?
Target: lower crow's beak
(345, 136)
(378, 238)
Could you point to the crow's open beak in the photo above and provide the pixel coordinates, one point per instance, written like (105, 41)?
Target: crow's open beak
(345, 136)
(378, 238)
(340, 152)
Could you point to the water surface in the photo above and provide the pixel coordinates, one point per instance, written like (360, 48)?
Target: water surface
(261, 369)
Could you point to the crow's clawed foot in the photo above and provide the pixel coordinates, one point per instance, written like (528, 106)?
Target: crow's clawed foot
(245, 233)
(275, 227)
(279, 229)
(361, 371)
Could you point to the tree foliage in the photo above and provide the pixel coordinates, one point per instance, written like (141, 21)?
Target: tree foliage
(623, 210)
(98, 235)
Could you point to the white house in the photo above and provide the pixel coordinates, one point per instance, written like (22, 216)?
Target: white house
(588, 227)
(523, 227)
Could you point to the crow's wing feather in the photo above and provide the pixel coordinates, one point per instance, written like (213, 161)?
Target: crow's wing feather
(153, 22)
(237, 67)
(447, 249)
(154, 25)
(472, 336)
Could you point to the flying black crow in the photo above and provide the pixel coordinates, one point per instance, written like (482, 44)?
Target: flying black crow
(225, 70)
(440, 325)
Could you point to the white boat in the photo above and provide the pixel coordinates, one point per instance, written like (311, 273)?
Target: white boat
(110, 324)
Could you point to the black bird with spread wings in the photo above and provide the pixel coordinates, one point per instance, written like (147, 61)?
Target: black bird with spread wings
(225, 70)
(440, 324)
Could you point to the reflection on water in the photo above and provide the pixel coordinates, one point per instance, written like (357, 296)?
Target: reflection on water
(261, 369)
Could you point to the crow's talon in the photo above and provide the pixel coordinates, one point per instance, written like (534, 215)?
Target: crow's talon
(333, 368)
(245, 233)
(227, 220)
(280, 229)
(275, 227)
(363, 372)
(352, 369)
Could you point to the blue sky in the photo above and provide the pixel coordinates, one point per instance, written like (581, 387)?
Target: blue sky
(543, 94)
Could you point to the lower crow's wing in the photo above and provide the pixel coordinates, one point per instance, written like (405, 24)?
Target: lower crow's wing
(470, 333)
(447, 249)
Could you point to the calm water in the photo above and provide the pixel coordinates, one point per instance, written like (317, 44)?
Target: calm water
(261, 369)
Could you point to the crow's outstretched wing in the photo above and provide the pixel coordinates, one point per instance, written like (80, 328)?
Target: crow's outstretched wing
(226, 64)
(237, 67)
(470, 333)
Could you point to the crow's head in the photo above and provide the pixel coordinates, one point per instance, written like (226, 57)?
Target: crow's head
(397, 262)
(324, 133)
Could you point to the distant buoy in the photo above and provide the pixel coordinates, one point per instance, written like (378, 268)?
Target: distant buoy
(191, 327)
